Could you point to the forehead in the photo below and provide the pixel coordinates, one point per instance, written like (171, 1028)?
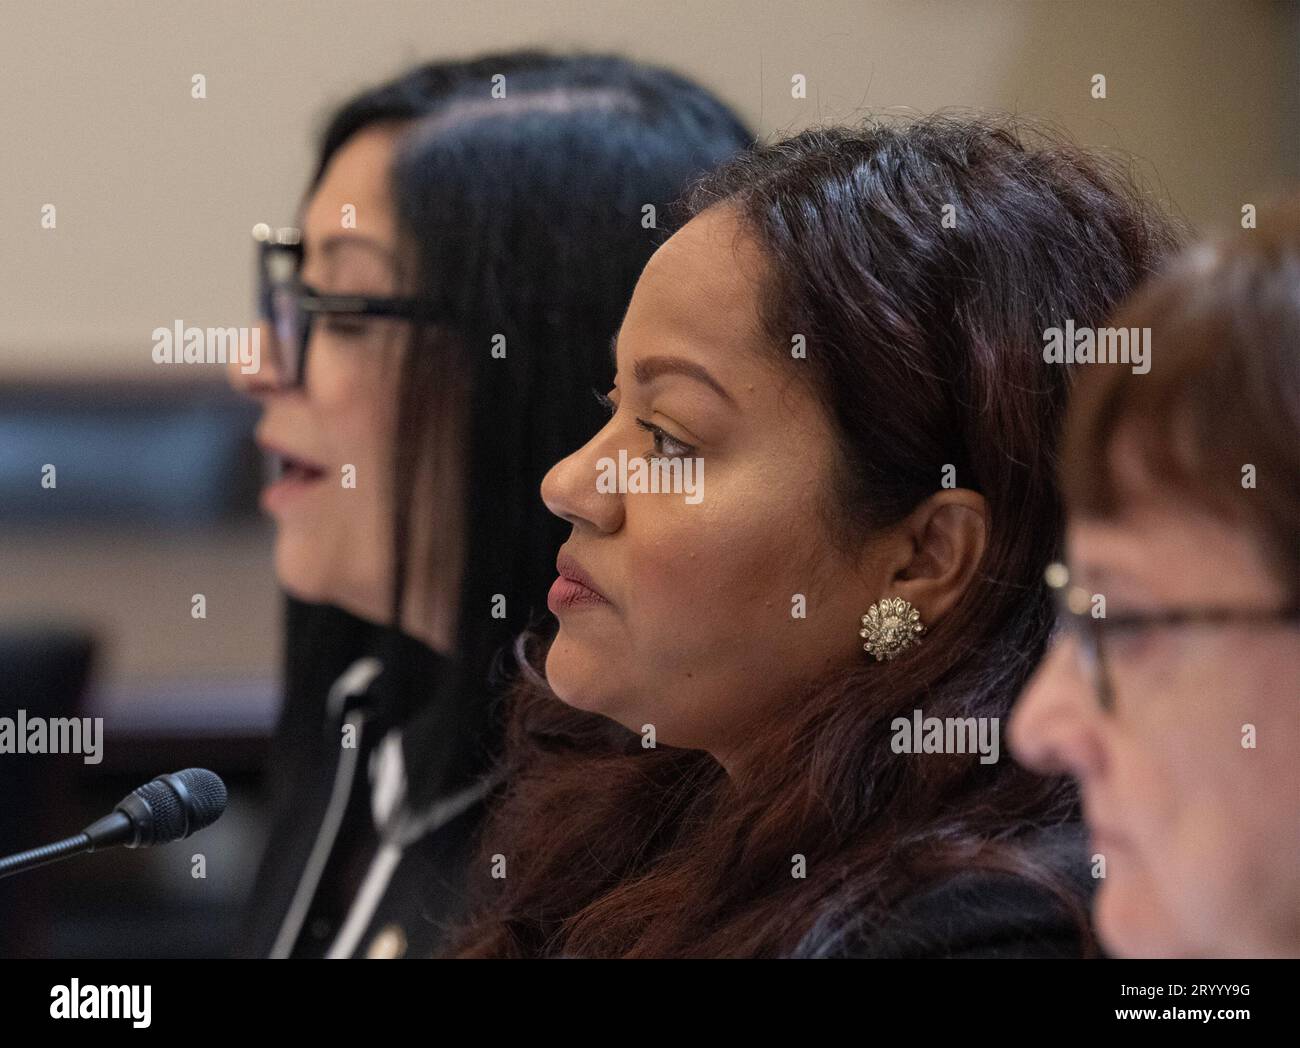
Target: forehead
(1174, 547)
(1163, 537)
(702, 289)
(691, 257)
(356, 178)
(348, 227)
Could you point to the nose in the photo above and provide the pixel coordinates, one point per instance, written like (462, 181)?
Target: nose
(265, 373)
(570, 490)
(1056, 725)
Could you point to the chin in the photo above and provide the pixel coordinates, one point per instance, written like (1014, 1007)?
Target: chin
(1131, 924)
(306, 576)
(576, 677)
(298, 572)
(566, 678)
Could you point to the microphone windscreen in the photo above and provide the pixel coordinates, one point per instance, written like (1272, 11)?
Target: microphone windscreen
(166, 816)
(177, 805)
(209, 794)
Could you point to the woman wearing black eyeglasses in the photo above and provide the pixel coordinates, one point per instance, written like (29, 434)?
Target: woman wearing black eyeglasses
(1174, 696)
(434, 322)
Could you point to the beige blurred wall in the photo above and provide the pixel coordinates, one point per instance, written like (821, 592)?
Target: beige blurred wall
(156, 192)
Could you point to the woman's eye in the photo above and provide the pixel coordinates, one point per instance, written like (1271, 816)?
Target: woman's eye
(346, 327)
(666, 445)
(605, 402)
(1127, 642)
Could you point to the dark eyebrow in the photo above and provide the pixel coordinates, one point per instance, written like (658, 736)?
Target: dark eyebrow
(341, 240)
(652, 367)
(1100, 578)
(649, 368)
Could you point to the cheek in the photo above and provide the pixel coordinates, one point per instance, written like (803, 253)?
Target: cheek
(710, 611)
(1268, 745)
(710, 580)
(1144, 799)
(340, 551)
(697, 598)
(356, 407)
(1197, 767)
(1134, 799)
(684, 612)
(1177, 782)
(1239, 783)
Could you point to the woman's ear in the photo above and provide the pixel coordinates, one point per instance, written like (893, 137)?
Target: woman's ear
(943, 541)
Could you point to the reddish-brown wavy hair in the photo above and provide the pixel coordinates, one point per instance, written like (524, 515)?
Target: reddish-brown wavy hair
(1223, 390)
(928, 352)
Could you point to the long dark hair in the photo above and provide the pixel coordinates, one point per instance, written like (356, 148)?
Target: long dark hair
(925, 344)
(521, 216)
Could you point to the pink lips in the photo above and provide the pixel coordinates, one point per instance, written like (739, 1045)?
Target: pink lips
(297, 477)
(574, 588)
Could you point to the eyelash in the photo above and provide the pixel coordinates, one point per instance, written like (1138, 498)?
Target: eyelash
(343, 325)
(660, 435)
(1129, 642)
(346, 328)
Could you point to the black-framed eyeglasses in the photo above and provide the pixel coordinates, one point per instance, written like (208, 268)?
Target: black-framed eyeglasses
(289, 306)
(1077, 614)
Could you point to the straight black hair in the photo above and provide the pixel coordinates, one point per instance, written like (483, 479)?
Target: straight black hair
(527, 217)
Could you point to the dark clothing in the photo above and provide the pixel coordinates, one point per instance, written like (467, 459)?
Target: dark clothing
(981, 913)
(369, 842)
(355, 886)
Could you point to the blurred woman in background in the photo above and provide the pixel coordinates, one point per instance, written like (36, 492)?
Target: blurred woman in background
(1174, 698)
(847, 338)
(468, 242)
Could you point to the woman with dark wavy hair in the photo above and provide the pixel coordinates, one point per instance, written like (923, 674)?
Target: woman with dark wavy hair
(836, 368)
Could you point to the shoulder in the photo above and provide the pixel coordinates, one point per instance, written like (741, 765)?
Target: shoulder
(985, 913)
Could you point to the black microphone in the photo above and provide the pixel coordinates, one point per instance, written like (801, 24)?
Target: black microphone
(168, 809)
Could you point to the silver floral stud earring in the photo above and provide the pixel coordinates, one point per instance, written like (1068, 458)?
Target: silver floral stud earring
(890, 627)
